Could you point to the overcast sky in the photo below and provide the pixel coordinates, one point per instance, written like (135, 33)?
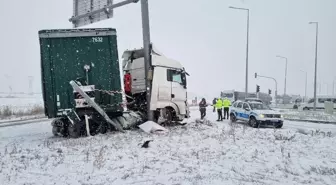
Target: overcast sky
(207, 37)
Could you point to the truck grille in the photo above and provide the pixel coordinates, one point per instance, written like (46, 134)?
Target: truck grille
(272, 116)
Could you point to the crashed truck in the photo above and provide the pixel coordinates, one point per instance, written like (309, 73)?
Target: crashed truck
(82, 86)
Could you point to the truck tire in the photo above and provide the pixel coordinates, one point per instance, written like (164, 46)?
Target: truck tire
(74, 130)
(58, 126)
(102, 128)
(305, 108)
(55, 130)
(169, 116)
(253, 122)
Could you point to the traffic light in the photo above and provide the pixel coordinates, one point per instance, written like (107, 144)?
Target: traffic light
(269, 91)
(255, 75)
(258, 88)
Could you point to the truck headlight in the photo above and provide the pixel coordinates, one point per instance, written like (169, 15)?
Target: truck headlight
(281, 116)
(261, 116)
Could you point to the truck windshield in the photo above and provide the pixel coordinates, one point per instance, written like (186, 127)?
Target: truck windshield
(228, 95)
(177, 76)
(259, 106)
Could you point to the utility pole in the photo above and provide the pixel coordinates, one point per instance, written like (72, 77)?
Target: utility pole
(147, 56)
(315, 73)
(247, 46)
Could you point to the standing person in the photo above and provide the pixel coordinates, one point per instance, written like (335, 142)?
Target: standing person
(219, 104)
(202, 108)
(226, 105)
(214, 104)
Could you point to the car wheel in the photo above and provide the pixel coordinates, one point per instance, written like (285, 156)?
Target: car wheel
(305, 108)
(253, 122)
(233, 117)
(279, 126)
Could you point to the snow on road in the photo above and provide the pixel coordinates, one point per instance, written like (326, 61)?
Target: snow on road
(219, 153)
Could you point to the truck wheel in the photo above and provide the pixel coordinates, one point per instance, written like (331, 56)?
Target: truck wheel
(74, 130)
(253, 122)
(295, 107)
(305, 108)
(55, 130)
(58, 125)
(102, 128)
(169, 116)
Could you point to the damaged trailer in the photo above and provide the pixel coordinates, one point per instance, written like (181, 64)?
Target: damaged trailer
(81, 84)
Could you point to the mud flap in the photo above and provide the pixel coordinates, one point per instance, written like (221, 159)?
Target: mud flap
(152, 127)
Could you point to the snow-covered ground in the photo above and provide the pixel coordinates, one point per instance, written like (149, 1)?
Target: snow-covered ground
(218, 153)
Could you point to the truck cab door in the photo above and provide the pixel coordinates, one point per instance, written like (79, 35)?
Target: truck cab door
(178, 89)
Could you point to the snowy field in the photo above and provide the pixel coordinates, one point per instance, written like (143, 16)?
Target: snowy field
(218, 153)
(22, 101)
(24, 107)
(309, 115)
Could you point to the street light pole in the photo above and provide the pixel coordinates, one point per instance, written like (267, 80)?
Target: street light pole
(305, 84)
(315, 73)
(285, 72)
(247, 46)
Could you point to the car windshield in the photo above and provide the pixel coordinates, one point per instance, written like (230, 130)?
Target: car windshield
(259, 106)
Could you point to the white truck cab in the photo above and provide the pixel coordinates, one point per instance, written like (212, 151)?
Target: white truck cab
(169, 82)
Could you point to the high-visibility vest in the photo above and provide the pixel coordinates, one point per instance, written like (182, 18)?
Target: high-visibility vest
(226, 103)
(219, 104)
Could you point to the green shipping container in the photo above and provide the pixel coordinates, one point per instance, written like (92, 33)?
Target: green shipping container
(64, 53)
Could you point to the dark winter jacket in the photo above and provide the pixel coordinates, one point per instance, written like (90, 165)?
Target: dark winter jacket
(203, 104)
(214, 101)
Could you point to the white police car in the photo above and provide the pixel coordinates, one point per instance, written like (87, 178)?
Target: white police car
(256, 114)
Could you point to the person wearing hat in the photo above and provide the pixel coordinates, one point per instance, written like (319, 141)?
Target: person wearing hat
(202, 108)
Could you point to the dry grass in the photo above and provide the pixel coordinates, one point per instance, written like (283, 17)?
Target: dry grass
(10, 111)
